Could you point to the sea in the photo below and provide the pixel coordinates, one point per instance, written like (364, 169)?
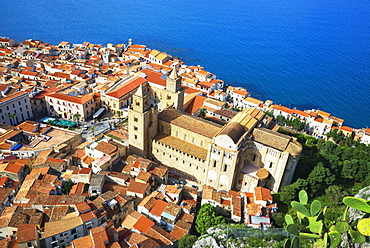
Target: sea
(301, 54)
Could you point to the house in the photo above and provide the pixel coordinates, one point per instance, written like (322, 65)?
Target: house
(138, 189)
(83, 175)
(366, 137)
(6, 196)
(146, 205)
(170, 215)
(63, 232)
(157, 209)
(159, 235)
(13, 216)
(142, 225)
(96, 185)
(104, 154)
(28, 236)
(15, 170)
(97, 237)
(140, 241)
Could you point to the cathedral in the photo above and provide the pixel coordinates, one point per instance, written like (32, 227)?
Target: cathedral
(239, 155)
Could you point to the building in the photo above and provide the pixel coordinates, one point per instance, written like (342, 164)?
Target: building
(15, 108)
(72, 107)
(239, 155)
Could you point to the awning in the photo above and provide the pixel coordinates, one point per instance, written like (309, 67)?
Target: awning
(98, 112)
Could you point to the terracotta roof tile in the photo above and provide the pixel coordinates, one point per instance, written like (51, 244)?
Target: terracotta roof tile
(143, 224)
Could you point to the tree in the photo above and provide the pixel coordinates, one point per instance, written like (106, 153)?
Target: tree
(92, 129)
(206, 218)
(350, 168)
(335, 194)
(202, 112)
(67, 186)
(76, 117)
(269, 113)
(11, 117)
(281, 119)
(320, 178)
(290, 192)
(187, 241)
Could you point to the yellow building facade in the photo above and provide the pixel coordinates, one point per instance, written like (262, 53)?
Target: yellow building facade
(240, 155)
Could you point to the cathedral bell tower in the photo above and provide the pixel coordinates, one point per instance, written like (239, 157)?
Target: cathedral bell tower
(173, 95)
(142, 122)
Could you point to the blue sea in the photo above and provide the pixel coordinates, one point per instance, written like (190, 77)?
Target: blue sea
(304, 54)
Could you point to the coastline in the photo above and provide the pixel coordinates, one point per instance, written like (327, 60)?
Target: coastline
(233, 93)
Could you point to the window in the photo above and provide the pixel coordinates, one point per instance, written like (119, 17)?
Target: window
(29, 244)
(214, 163)
(254, 157)
(20, 109)
(135, 136)
(136, 128)
(271, 164)
(73, 231)
(225, 167)
(137, 103)
(135, 119)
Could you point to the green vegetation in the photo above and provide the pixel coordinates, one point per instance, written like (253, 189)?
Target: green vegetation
(328, 171)
(293, 122)
(67, 186)
(327, 168)
(310, 223)
(207, 217)
(12, 116)
(238, 235)
(187, 241)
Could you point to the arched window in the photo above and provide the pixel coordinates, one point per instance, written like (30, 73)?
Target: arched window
(254, 157)
(214, 163)
(225, 167)
(271, 164)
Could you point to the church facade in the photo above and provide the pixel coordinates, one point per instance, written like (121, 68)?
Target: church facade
(240, 155)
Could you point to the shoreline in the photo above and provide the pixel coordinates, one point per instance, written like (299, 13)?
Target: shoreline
(226, 84)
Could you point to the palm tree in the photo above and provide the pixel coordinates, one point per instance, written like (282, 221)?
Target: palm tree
(92, 128)
(11, 117)
(76, 117)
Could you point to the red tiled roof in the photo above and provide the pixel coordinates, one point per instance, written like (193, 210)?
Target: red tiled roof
(143, 224)
(158, 207)
(154, 77)
(347, 129)
(262, 194)
(195, 104)
(74, 99)
(299, 112)
(127, 87)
